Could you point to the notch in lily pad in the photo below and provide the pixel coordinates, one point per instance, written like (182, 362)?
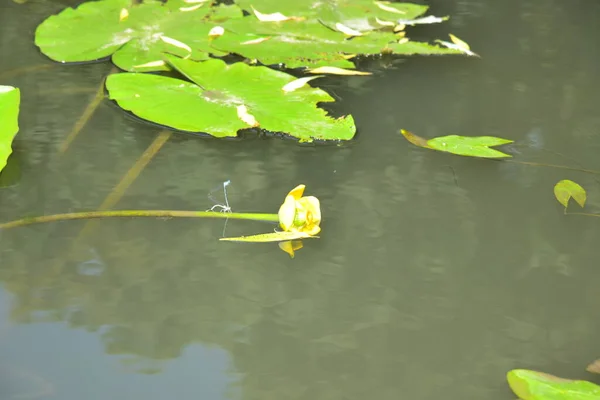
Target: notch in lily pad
(469, 146)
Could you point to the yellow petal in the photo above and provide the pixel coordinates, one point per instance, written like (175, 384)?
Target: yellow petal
(290, 246)
(312, 230)
(297, 192)
(312, 203)
(287, 213)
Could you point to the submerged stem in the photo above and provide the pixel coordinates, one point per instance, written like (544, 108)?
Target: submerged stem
(139, 213)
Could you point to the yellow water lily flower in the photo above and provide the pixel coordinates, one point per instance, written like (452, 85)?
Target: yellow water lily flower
(300, 214)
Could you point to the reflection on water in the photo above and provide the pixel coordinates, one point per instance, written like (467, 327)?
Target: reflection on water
(434, 274)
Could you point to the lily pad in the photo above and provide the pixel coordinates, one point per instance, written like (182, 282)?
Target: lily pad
(461, 145)
(10, 98)
(227, 98)
(567, 189)
(359, 15)
(135, 36)
(311, 44)
(533, 385)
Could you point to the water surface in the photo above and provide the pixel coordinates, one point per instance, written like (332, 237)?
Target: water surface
(434, 274)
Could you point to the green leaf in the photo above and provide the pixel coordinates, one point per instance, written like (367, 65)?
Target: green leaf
(10, 98)
(136, 42)
(469, 146)
(270, 237)
(565, 189)
(310, 43)
(226, 99)
(533, 385)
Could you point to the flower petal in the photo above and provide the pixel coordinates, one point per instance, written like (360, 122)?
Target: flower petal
(312, 204)
(297, 192)
(290, 246)
(287, 213)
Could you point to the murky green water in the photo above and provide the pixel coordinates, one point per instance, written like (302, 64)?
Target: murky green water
(434, 275)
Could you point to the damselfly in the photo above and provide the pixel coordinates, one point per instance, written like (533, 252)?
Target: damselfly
(223, 207)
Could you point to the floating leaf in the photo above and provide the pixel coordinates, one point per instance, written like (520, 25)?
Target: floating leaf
(138, 36)
(298, 83)
(211, 105)
(469, 146)
(270, 237)
(10, 98)
(565, 189)
(461, 145)
(422, 21)
(336, 71)
(533, 385)
(458, 44)
(310, 43)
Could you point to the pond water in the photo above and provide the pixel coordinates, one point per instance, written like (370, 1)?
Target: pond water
(434, 274)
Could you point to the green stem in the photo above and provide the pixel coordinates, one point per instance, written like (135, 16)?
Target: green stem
(139, 213)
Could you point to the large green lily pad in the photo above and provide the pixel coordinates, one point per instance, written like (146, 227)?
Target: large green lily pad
(533, 385)
(137, 37)
(10, 98)
(227, 98)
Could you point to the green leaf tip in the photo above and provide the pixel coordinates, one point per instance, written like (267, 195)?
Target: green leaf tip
(566, 189)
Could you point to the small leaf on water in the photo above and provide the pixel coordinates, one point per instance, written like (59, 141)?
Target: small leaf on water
(336, 71)
(384, 23)
(533, 385)
(176, 43)
(461, 44)
(565, 189)
(347, 31)
(216, 31)
(151, 64)
(431, 19)
(385, 7)
(478, 146)
(457, 44)
(298, 83)
(256, 41)
(270, 237)
(190, 8)
(274, 17)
